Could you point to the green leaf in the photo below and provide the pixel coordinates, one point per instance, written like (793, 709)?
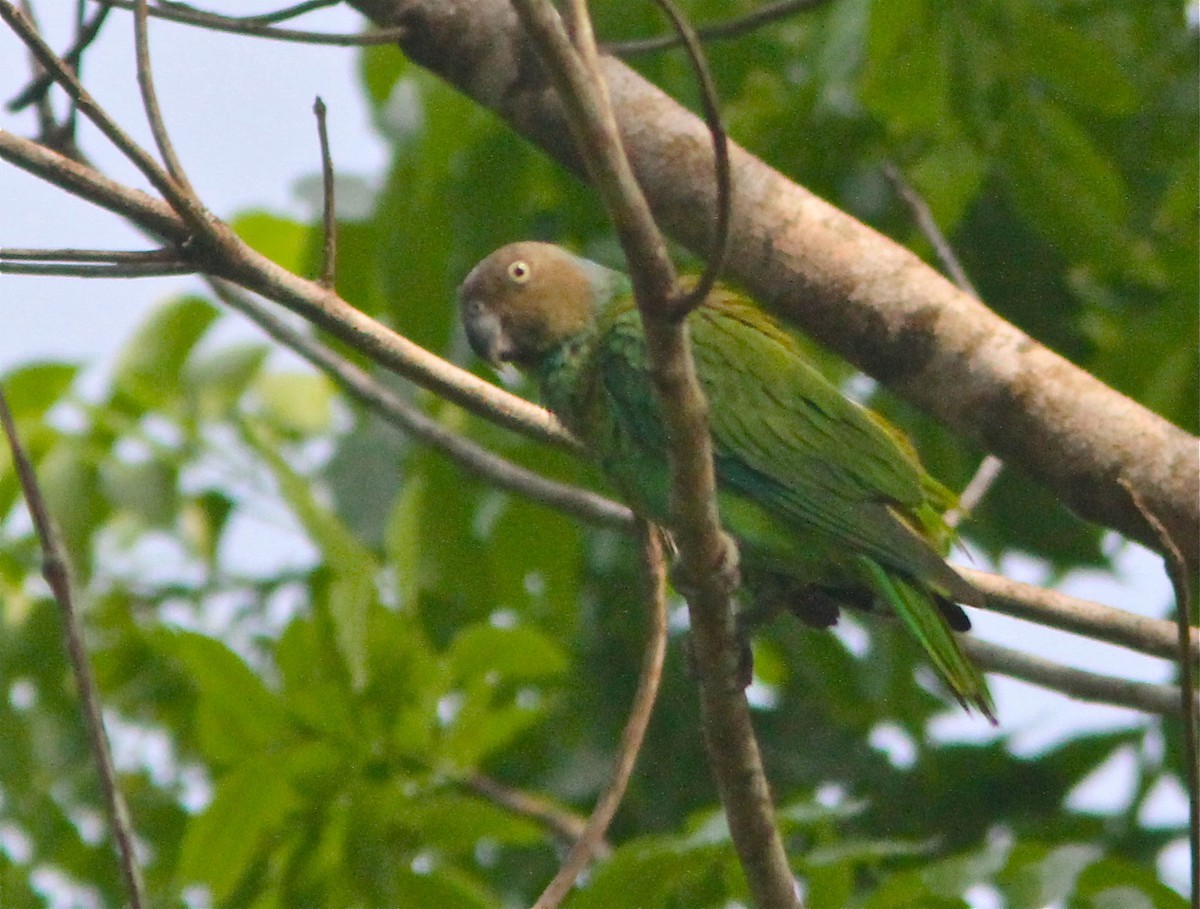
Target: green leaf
(33, 389)
(1081, 68)
(658, 871)
(519, 654)
(249, 807)
(455, 823)
(906, 81)
(352, 567)
(296, 403)
(148, 369)
(283, 241)
(218, 380)
(69, 476)
(1067, 186)
(238, 716)
(443, 888)
(148, 489)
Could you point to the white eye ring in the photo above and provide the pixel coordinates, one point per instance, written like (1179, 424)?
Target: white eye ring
(519, 271)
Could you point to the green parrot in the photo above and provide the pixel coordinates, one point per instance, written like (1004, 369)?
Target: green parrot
(829, 504)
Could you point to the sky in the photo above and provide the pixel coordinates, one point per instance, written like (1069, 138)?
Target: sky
(240, 113)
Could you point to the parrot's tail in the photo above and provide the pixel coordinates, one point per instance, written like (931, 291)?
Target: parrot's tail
(919, 612)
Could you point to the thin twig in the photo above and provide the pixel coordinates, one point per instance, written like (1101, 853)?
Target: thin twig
(654, 585)
(36, 90)
(281, 15)
(985, 476)
(724, 179)
(328, 213)
(145, 80)
(1178, 571)
(731, 28)
(923, 216)
(579, 503)
(56, 569)
(565, 824)
(991, 466)
(1076, 683)
(127, 270)
(236, 26)
(88, 255)
(87, 105)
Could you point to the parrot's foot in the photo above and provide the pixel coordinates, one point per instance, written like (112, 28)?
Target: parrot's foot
(723, 571)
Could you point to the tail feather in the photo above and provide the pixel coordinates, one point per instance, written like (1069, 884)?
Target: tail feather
(921, 615)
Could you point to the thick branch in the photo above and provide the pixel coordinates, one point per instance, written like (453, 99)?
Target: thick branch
(849, 287)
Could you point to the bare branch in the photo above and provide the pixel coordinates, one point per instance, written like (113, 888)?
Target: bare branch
(1076, 683)
(654, 583)
(94, 263)
(242, 26)
(716, 126)
(566, 825)
(732, 28)
(116, 270)
(36, 90)
(158, 128)
(927, 224)
(1178, 572)
(990, 467)
(281, 15)
(328, 213)
(986, 474)
(86, 104)
(1058, 610)
(56, 569)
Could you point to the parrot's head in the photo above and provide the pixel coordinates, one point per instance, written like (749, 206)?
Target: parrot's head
(526, 299)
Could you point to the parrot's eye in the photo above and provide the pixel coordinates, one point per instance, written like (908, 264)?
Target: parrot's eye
(519, 271)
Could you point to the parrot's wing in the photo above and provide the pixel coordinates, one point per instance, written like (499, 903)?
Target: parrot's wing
(784, 437)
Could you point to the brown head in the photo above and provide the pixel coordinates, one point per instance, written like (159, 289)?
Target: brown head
(526, 299)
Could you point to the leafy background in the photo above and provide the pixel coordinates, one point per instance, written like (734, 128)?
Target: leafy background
(312, 634)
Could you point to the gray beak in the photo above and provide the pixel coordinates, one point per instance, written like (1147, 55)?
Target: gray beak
(485, 333)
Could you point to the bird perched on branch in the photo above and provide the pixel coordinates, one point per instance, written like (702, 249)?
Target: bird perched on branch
(828, 502)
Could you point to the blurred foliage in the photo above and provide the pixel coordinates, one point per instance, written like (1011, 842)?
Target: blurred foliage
(311, 634)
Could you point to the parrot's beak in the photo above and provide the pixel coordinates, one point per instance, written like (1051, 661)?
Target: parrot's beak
(485, 333)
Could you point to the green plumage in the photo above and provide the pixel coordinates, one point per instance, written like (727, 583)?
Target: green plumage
(828, 503)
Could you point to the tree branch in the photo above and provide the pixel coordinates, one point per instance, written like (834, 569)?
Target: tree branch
(654, 584)
(1155, 637)
(566, 825)
(237, 262)
(731, 28)
(246, 25)
(1076, 683)
(57, 571)
(707, 557)
(847, 286)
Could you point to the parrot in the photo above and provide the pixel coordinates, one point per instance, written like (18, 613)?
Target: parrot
(827, 501)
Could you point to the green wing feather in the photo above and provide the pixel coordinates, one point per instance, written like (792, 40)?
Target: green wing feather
(815, 484)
